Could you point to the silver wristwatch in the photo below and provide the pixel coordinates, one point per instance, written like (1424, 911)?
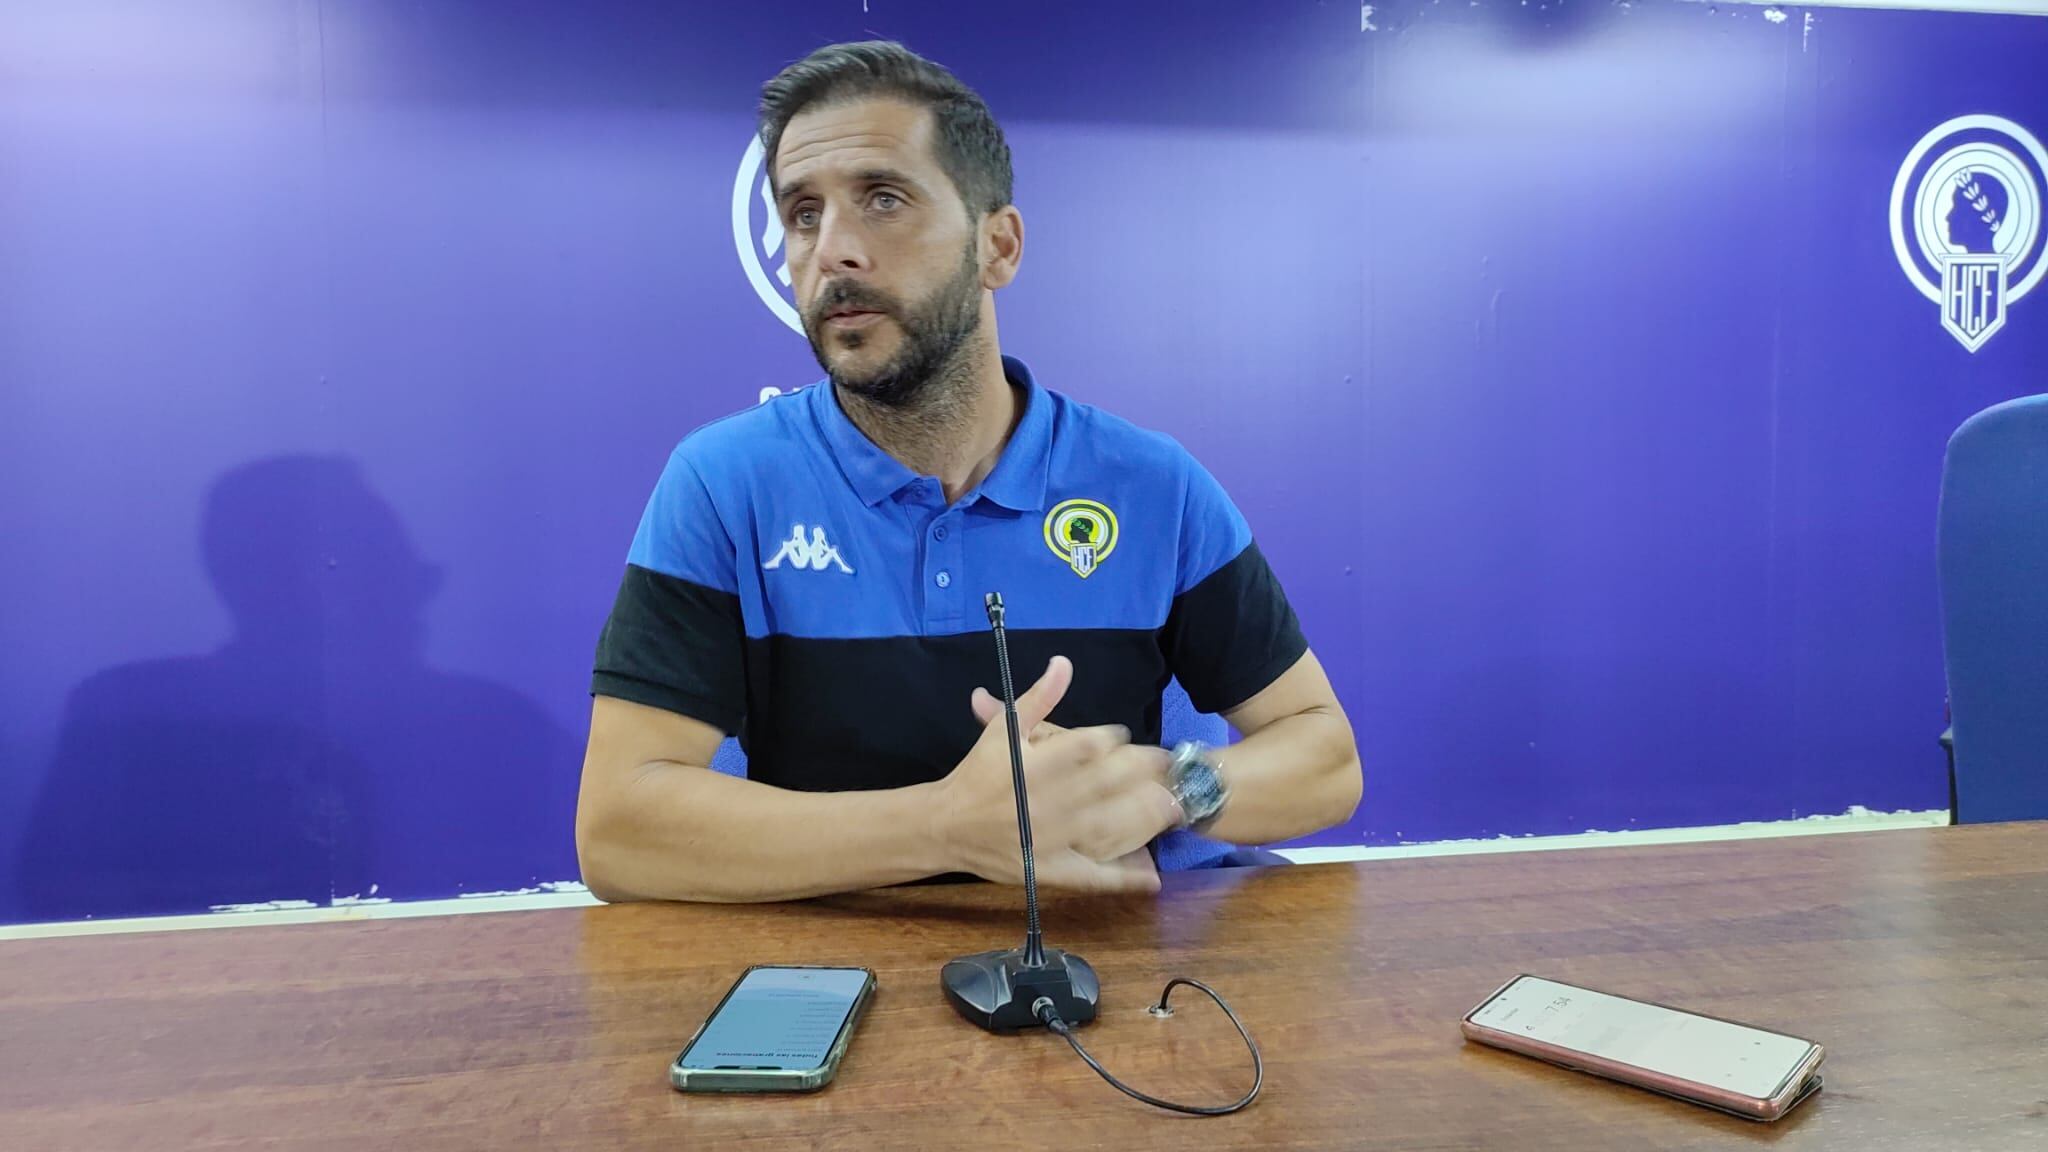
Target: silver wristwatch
(1196, 784)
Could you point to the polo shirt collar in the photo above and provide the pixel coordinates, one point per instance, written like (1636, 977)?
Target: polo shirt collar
(1017, 481)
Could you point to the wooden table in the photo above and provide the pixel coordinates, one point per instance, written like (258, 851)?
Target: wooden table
(1920, 958)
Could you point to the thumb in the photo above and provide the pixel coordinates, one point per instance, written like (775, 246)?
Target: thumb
(1041, 698)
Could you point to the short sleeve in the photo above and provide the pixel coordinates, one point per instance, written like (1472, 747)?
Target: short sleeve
(675, 638)
(1231, 631)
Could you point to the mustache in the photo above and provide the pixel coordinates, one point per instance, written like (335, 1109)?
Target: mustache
(844, 294)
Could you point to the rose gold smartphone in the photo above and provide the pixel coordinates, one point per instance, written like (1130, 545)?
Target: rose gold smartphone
(1747, 1071)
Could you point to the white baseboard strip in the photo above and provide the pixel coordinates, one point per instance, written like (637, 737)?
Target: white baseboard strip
(569, 894)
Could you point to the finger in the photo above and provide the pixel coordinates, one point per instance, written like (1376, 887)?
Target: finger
(1041, 698)
(1125, 823)
(1131, 872)
(1074, 747)
(986, 706)
(1123, 770)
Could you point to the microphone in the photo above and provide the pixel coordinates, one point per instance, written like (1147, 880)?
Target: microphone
(1003, 991)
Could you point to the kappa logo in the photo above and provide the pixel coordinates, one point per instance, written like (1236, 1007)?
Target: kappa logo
(816, 553)
(1966, 221)
(1081, 532)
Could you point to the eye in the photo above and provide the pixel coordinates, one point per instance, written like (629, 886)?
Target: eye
(805, 216)
(886, 202)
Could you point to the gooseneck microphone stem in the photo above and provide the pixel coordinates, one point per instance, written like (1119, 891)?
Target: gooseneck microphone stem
(998, 990)
(1034, 943)
(1051, 988)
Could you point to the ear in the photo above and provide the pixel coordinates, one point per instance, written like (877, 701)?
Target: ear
(1002, 246)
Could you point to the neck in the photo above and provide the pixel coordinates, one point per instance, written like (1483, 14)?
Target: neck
(957, 430)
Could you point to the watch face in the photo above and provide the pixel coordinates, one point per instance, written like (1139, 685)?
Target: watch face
(1201, 792)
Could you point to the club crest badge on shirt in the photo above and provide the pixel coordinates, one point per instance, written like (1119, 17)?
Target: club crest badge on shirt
(1082, 533)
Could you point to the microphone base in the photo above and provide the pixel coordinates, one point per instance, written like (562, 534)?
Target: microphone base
(995, 990)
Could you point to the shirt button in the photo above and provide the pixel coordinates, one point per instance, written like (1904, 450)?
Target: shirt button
(945, 579)
(939, 533)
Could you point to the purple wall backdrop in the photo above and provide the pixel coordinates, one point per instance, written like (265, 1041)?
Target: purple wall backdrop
(1558, 354)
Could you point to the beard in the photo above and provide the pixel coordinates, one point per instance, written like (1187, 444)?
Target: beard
(933, 333)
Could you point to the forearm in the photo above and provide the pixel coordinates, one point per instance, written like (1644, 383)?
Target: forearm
(1297, 775)
(676, 832)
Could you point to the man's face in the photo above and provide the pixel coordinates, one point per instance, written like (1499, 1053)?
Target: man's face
(883, 255)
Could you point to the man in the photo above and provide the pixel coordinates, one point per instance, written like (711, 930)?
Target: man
(811, 572)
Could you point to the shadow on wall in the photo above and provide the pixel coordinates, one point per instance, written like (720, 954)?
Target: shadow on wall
(312, 756)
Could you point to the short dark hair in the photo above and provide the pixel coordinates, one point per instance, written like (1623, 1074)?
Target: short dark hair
(970, 143)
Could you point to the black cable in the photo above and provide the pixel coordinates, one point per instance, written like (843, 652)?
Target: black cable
(1050, 1015)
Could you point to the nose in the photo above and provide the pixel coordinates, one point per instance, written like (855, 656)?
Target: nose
(842, 244)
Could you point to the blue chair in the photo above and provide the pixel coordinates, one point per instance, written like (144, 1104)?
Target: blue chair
(1993, 556)
(1173, 852)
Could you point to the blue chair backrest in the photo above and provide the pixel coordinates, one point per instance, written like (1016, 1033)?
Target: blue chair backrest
(730, 758)
(1178, 721)
(1993, 551)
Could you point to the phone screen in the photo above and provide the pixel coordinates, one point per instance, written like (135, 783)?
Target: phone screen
(1728, 1056)
(781, 1018)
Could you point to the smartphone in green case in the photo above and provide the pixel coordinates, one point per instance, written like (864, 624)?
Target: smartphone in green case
(779, 1028)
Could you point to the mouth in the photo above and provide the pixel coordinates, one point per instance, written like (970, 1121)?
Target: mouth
(852, 318)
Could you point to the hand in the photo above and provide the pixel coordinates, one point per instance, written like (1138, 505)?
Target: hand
(1096, 798)
(988, 709)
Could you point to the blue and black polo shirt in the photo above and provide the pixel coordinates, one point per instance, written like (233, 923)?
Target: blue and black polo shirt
(796, 586)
